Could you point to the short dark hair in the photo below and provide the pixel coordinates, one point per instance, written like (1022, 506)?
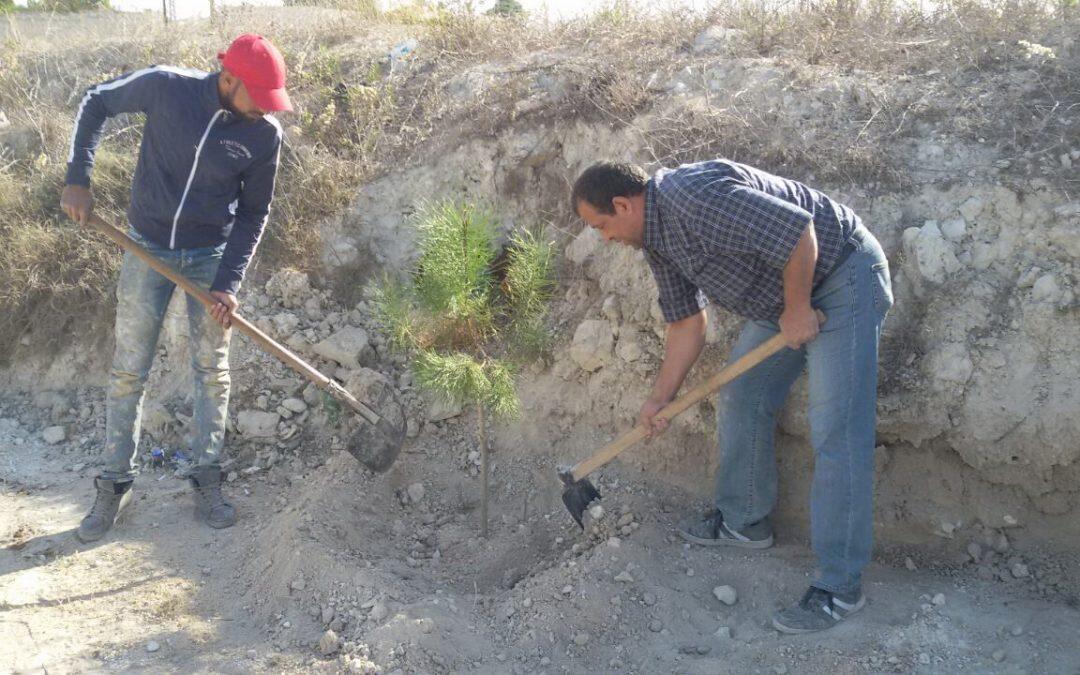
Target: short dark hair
(604, 181)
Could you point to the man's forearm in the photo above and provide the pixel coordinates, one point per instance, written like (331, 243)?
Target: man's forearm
(799, 271)
(683, 345)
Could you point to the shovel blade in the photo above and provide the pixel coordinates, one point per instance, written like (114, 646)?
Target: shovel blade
(377, 446)
(577, 496)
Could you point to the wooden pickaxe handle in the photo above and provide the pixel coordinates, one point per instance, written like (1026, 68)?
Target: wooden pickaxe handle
(673, 409)
(240, 323)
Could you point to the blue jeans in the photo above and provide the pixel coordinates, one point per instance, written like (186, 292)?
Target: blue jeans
(842, 361)
(142, 299)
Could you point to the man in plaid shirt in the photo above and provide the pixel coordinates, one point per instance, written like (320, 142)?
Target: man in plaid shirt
(771, 250)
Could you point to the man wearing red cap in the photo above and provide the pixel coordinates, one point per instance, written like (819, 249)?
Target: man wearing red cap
(199, 201)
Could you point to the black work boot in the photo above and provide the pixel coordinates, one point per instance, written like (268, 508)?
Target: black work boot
(210, 504)
(112, 497)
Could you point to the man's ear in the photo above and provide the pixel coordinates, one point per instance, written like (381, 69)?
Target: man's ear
(621, 205)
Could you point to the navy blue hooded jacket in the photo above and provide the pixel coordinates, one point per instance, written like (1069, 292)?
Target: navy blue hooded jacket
(204, 175)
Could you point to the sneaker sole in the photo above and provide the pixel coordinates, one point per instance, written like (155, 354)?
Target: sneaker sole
(788, 630)
(735, 543)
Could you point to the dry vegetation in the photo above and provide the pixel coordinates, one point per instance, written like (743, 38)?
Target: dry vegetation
(356, 119)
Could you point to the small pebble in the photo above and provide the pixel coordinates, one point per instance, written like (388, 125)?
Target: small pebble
(690, 572)
(649, 599)
(624, 577)
(723, 632)
(252, 654)
(924, 659)
(1017, 631)
(581, 639)
(939, 599)
(655, 626)
(999, 655)
(152, 646)
(910, 564)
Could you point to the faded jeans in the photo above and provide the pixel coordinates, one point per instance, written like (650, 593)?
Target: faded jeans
(842, 362)
(142, 298)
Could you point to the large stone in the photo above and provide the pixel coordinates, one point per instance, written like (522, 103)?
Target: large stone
(931, 257)
(285, 323)
(592, 345)
(715, 39)
(54, 435)
(329, 643)
(1046, 289)
(440, 409)
(290, 286)
(347, 346)
(157, 420)
(950, 365)
(257, 423)
(584, 245)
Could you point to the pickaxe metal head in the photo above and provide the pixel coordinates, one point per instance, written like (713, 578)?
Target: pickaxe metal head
(577, 495)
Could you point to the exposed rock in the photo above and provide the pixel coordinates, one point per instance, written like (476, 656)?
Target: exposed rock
(257, 423)
(329, 643)
(929, 257)
(584, 245)
(1046, 289)
(348, 346)
(716, 39)
(440, 409)
(157, 420)
(416, 492)
(294, 405)
(290, 286)
(592, 345)
(54, 435)
(950, 365)
(726, 595)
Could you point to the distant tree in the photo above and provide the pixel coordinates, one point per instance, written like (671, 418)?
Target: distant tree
(506, 8)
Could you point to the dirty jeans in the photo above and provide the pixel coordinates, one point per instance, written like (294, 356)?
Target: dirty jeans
(142, 299)
(842, 361)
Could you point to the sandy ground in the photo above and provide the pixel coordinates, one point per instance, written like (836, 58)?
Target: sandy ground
(402, 577)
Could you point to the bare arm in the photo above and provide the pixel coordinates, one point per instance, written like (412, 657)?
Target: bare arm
(683, 344)
(798, 323)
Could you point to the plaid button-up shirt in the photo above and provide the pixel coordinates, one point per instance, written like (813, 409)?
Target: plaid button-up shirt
(724, 231)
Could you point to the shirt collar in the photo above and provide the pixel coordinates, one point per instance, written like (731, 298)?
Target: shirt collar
(653, 237)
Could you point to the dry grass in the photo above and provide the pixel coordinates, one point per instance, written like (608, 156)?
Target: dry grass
(475, 76)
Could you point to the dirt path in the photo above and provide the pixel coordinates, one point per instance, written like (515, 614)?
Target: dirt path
(399, 574)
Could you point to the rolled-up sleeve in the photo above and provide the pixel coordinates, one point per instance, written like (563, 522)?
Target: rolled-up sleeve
(678, 297)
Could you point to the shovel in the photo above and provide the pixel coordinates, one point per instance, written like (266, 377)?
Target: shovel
(580, 492)
(375, 445)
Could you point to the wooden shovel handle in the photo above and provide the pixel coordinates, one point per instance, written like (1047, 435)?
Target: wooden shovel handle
(673, 409)
(240, 323)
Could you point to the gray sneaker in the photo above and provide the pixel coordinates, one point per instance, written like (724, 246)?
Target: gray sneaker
(818, 610)
(112, 497)
(711, 530)
(210, 504)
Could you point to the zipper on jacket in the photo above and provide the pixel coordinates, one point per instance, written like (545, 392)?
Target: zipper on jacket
(191, 177)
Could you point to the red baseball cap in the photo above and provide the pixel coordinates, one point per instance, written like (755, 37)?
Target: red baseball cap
(261, 68)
